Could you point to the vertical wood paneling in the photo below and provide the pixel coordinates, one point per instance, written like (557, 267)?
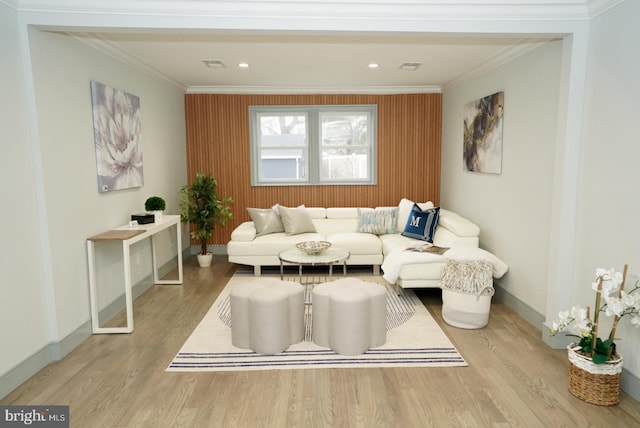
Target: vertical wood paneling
(409, 138)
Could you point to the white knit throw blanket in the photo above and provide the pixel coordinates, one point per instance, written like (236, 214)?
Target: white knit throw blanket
(468, 277)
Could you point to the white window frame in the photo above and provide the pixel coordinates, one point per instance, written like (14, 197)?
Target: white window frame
(312, 145)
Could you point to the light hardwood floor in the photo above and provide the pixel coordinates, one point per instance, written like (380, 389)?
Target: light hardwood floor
(513, 378)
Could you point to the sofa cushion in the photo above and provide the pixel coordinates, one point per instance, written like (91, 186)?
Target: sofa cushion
(356, 243)
(245, 232)
(421, 224)
(315, 212)
(296, 220)
(457, 224)
(342, 213)
(265, 220)
(270, 245)
(327, 226)
(380, 221)
(395, 241)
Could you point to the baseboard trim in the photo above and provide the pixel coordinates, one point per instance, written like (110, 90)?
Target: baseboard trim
(56, 351)
(521, 308)
(629, 383)
(217, 250)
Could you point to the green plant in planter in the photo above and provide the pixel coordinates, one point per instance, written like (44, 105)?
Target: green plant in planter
(155, 203)
(201, 206)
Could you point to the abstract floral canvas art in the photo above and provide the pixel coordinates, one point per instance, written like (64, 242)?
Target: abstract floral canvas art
(482, 150)
(117, 138)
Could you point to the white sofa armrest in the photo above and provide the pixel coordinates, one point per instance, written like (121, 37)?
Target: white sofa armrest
(457, 224)
(245, 232)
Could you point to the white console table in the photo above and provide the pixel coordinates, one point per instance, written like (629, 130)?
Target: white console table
(129, 236)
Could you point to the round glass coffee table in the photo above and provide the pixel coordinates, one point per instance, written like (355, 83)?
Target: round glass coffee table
(329, 257)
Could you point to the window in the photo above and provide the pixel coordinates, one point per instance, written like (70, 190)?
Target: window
(310, 145)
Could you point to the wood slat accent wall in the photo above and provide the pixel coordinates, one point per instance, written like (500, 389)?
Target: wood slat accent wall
(409, 138)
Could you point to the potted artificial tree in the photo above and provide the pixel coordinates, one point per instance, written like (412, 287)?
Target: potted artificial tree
(155, 205)
(201, 206)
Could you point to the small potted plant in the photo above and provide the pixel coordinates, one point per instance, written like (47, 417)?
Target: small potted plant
(201, 206)
(155, 205)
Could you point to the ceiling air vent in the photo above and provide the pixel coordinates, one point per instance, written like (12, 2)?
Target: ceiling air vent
(411, 66)
(213, 63)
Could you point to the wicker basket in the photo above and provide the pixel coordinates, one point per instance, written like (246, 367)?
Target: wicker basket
(594, 383)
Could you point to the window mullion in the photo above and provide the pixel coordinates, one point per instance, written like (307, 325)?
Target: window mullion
(313, 144)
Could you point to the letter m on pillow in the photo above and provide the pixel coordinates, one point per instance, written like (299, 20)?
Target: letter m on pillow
(415, 221)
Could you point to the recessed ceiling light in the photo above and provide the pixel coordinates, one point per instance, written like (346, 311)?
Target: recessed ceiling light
(213, 63)
(411, 66)
(243, 64)
(373, 65)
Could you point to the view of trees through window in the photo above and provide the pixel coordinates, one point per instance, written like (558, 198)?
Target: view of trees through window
(313, 145)
(344, 147)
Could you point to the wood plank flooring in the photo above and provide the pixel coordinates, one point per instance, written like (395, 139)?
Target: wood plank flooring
(513, 378)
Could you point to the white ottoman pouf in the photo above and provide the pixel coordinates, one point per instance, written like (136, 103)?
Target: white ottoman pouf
(269, 320)
(467, 288)
(239, 301)
(350, 316)
(320, 319)
(295, 292)
(266, 313)
(378, 321)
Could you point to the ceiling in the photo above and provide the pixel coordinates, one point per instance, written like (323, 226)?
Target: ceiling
(295, 62)
(312, 45)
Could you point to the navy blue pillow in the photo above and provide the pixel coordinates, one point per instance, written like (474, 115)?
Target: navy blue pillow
(422, 224)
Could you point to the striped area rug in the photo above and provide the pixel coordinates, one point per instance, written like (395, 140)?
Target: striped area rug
(414, 339)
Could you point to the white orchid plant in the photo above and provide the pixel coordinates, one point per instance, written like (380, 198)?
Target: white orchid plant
(609, 287)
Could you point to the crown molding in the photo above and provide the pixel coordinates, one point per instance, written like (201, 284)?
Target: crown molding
(597, 7)
(294, 9)
(14, 4)
(506, 55)
(108, 48)
(283, 90)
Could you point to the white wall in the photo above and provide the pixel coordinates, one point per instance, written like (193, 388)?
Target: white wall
(609, 200)
(54, 195)
(66, 137)
(22, 301)
(512, 208)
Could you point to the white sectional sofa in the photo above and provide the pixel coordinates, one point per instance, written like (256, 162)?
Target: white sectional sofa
(402, 267)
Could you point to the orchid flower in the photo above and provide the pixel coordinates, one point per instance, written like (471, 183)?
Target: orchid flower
(611, 301)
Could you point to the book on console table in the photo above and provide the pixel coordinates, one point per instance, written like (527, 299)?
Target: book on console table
(428, 248)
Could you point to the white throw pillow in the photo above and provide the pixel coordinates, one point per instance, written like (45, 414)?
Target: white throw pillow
(266, 221)
(296, 220)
